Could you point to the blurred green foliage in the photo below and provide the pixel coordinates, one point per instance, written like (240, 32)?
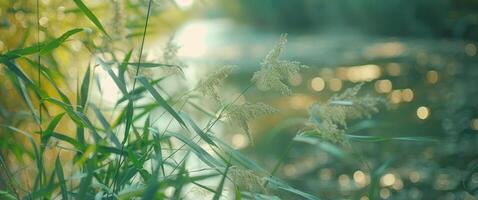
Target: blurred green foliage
(443, 18)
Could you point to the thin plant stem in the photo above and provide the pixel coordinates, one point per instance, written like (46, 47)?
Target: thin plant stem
(39, 83)
(134, 85)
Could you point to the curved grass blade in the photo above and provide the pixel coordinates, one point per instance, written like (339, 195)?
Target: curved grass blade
(200, 152)
(19, 72)
(370, 138)
(129, 121)
(49, 46)
(90, 15)
(286, 187)
(238, 156)
(136, 93)
(121, 84)
(85, 87)
(198, 130)
(49, 130)
(62, 137)
(45, 47)
(218, 193)
(79, 118)
(160, 100)
(106, 126)
(329, 148)
(63, 96)
(68, 109)
(26, 97)
(124, 65)
(61, 178)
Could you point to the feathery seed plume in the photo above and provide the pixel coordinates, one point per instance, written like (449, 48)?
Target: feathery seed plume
(242, 114)
(209, 86)
(275, 72)
(328, 121)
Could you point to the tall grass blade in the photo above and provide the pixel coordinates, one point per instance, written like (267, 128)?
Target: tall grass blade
(85, 87)
(106, 126)
(370, 138)
(90, 15)
(61, 178)
(129, 121)
(218, 192)
(198, 151)
(121, 84)
(237, 193)
(238, 156)
(198, 130)
(124, 65)
(19, 72)
(26, 97)
(160, 100)
(48, 132)
(286, 187)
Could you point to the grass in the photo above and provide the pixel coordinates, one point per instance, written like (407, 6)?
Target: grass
(134, 153)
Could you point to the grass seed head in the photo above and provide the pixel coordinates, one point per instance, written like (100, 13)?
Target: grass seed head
(275, 72)
(209, 86)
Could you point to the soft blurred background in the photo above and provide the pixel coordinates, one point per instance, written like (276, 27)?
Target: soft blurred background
(420, 55)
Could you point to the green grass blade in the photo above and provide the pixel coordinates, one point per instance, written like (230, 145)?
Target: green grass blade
(58, 41)
(157, 151)
(85, 182)
(61, 178)
(198, 151)
(90, 15)
(129, 121)
(238, 156)
(370, 138)
(218, 192)
(63, 96)
(150, 64)
(62, 137)
(85, 87)
(124, 65)
(19, 72)
(121, 85)
(79, 118)
(49, 130)
(68, 109)
(26, 97)
(160, 100)
(237, 193)
(7, 196)
(136, 93)
(286, 187)
(106, 126)
(198, 130)
(45, 47)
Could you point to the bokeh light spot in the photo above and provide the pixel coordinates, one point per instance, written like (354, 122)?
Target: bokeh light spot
(317, 84)
(383, 86)
(335, 84)
(423, 112)
(407, 95)
(432, 76)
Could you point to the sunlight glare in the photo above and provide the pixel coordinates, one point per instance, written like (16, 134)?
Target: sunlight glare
(184, 4)
(193, 40)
